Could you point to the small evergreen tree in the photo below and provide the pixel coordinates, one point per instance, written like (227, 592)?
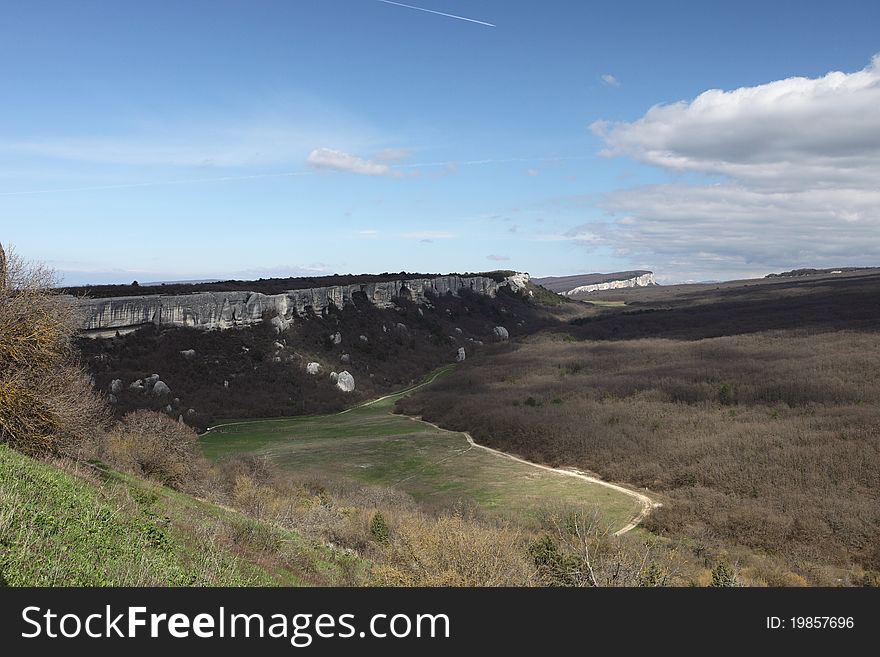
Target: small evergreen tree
(723, 575)
(379, 528)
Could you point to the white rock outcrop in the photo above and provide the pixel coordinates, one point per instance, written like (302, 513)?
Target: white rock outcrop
(345, 382)
(638, 281)
(313, 368)
(222, 310)
(462, 354)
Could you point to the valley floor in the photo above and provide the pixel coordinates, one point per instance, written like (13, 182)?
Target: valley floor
(440, 469)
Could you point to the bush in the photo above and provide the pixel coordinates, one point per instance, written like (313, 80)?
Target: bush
(153, 445)
(47, 402)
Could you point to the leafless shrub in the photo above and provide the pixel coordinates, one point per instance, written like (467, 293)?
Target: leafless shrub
(47, 402)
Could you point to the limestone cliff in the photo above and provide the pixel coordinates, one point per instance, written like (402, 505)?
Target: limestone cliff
(222, 310)
(637, 281)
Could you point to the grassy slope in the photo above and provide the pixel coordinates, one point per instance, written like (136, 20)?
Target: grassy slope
(57, 529)
(438, 468)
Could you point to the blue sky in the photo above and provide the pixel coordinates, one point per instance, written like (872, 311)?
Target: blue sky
(168, 140)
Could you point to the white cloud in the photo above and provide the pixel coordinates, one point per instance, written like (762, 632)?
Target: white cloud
(610, 80)
(798, 161)
(328, 158)
(369, 231)
(497, 258)
(532, 172)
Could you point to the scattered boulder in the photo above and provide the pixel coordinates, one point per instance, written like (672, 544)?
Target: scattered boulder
(500, 333)
(116, 386)
(137, 385)
(345, 382)
(280, 325)
(336, 338)
(363, 338)
(112, 399)
(188, 353)
(421, 313)
(225, 383)
(345, 358)
(160, 388)
(313, 368)
(458, 331)
(334, 377)
(168, 408)
(279, 345)
(462, 354)
(401, 328)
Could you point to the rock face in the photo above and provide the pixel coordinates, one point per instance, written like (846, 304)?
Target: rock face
(313, 368)
(500, 333)
(462, 354)
(586, 283)
(345, 382)
(639, 281)
(222, 310)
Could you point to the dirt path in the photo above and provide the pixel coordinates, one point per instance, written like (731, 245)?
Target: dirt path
(647, 503)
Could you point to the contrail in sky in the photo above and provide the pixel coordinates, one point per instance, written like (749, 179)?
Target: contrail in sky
(439, 13)
(293, 174)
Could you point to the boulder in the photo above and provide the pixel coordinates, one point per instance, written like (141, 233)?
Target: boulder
(500, 333)
(458, 331)
(334, 377)
(401, 328)
(137, 385)
(345, 358)
(280, 325)
(116, 386)
(112, 399)
(188, 353)
(462, 354)
(345, 382)
(160, 388)
(168, 408)
(363, 338)
(313, 368)
(336, 338)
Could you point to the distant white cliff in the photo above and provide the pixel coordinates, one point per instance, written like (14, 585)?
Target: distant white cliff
(638, 281)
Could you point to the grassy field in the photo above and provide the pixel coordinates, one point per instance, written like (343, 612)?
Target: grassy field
(438, 468)
(103, 528)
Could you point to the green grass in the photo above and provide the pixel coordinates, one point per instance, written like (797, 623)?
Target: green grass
(110, 529)
(438, 468)
(605, 304)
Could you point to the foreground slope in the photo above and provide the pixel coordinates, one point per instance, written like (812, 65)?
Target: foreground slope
(100, 528)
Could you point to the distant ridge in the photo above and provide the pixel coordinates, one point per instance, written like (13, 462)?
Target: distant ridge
(585, 283)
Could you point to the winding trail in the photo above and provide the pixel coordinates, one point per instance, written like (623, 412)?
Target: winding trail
(647, 504)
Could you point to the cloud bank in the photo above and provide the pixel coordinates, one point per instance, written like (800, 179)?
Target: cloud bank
(796, 163)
